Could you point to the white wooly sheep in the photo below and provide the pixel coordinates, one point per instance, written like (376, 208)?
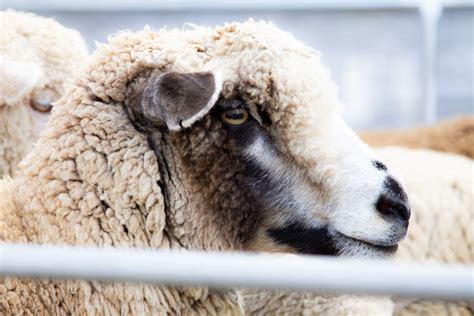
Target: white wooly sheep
(38, 56)
(225, 138)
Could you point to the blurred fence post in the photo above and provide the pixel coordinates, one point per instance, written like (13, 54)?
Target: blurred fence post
(430, 12)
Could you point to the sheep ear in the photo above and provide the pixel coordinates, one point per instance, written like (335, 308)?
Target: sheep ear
(177, 100)
(17, 79)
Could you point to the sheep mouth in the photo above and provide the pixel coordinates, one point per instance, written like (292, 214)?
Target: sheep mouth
(326, 241)
(385, 249)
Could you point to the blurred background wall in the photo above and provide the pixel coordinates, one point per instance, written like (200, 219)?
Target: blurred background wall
(378, 51)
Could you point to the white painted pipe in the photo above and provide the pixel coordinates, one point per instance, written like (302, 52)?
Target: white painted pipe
(431, 12)
(180, 5)
(308, 273)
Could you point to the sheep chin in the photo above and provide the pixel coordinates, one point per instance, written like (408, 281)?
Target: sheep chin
(351, 247)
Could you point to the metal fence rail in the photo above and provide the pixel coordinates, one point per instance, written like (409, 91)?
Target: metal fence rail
(177, 5)
(316, 274)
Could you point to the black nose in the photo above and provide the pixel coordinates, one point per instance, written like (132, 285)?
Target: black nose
(394, 201)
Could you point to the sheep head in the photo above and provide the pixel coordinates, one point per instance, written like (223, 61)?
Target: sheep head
(279, 208)
(37, 59)
(152, 148)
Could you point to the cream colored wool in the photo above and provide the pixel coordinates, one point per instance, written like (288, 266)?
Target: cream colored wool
(440, 186)
(36, 53)
(441, 192)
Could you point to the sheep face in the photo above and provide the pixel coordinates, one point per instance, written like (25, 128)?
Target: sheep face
(38, 57)
(234, 161)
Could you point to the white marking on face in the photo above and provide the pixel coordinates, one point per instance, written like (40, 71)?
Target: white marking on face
(356, 186)
(346, 171)
(297, 191)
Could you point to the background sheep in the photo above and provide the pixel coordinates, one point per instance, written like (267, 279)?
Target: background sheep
(440, 190)
(38, 56)
(454, 136)
(169, 135)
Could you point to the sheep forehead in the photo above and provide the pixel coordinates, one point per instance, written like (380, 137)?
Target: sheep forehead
(263, 64)
(257, 61)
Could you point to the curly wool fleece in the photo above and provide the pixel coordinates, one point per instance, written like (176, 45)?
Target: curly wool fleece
(93, 179)
(442, 200)
(36, 53)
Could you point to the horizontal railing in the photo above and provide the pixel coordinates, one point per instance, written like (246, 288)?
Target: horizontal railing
(176, 5)
(226, 270)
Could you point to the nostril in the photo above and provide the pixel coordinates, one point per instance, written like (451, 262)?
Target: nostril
(390, 206)
(379, 165)
(395, 189)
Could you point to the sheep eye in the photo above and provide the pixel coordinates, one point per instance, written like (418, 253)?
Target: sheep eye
(42, 100)
(235, 117)
(41, 106)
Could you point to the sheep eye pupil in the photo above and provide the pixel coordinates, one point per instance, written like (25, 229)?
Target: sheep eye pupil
(235, 116)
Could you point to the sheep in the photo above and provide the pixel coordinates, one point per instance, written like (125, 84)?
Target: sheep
(454, 136)
(37, 58)
(215, 139)
(440, 189)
